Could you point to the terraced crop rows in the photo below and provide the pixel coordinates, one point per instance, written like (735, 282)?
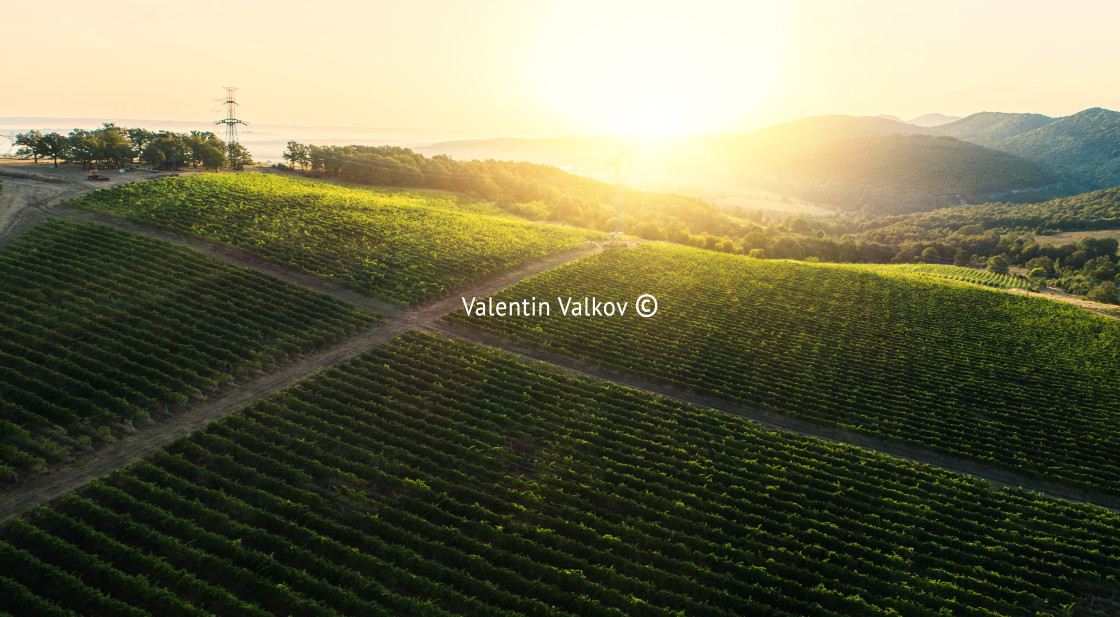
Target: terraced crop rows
(400, 246)
(953, 273)
(510, 489)
(102, 327)
(1016, 382)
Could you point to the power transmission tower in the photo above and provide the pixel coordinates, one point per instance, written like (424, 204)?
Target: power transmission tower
(231, 123)
(620, 172)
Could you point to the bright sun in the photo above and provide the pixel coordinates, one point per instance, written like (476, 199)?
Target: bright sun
(655, 68)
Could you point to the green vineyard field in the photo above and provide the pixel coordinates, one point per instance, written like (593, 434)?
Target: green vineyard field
(432, 477)
(398, 245)
(951, 273)
(102, 327)
(1017, 382)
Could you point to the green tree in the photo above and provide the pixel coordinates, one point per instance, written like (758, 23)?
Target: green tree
(961, 258)
(211, 156)
(998, 264)
(757, 254)
(930, 255)
(167, 150)
(1106, 292)
(81, 148)
(1043, 262)
(298, 154)
(903, 257)
(238, 156)
(54, 145)
(110, 146)
(201, 146)
(30, 146)
(139, 139)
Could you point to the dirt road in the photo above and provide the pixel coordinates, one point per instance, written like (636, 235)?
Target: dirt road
(29, 201)
(777, 421)
(38, 489)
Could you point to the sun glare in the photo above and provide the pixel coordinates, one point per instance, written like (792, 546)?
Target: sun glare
(654, 68)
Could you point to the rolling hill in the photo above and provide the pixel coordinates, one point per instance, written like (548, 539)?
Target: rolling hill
(941, 365)
(895, 173)
(1084, 147)
(400, 246)
(842, 161)
(991, 128)
(1086, 211)
(431, 477)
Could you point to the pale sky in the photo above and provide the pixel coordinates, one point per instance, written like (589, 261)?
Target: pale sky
(569, 67)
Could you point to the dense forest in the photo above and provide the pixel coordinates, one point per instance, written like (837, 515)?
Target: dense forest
(898, 173)
(1000, 234)
(1082, 147)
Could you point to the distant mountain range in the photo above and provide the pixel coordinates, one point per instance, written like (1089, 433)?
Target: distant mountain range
(906, 172)
(851, 162)
(843, 161)
(1083, 148)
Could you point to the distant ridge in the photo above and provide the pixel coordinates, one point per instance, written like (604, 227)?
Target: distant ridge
(896, 173)
(990, 128)
(932, 120)
(1083, 147)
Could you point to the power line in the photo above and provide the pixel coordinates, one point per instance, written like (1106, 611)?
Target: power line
(231, 123)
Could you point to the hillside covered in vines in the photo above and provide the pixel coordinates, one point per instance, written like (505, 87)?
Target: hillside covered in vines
(1010, 380)
(397, 245)
(432, 477)
(101, 329)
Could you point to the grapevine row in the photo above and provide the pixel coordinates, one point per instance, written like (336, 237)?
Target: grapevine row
(1011, 381)
(103, 328)
(400, 246)
(429, 476)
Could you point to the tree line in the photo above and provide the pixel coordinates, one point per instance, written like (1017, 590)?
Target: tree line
(115, 146)
(542, 192)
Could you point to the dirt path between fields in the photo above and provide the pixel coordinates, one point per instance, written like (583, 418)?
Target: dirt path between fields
(778, 421)
(24, 203)
(37, 489)
(233, 256)
(1058, 295)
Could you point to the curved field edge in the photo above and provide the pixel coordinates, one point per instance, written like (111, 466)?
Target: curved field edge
(397, 245)
(950, 273)
(102, 329)
(1008, 380)
(432, 476)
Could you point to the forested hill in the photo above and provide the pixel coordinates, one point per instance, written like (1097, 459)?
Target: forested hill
(990, 128)
(898, 173)
(1083, 148)
(844, 161)
(1087, 211)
